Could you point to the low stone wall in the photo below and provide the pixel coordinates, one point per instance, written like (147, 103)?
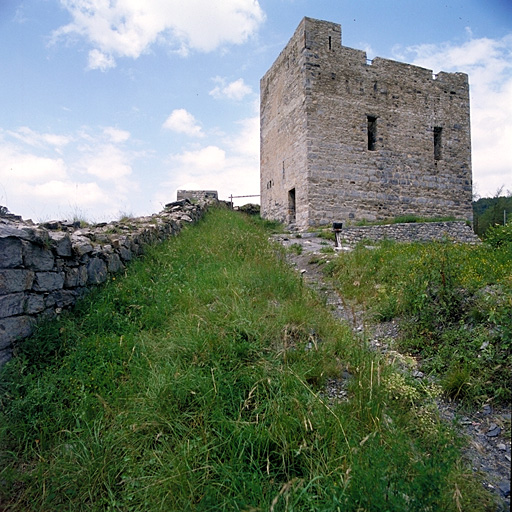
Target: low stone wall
(45, 268)
(457, 231)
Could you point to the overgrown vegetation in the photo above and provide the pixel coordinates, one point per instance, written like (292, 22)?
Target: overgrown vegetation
(196, 382)
(491, 211)
(455, 306)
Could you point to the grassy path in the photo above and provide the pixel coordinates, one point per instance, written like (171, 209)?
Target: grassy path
(195, 382)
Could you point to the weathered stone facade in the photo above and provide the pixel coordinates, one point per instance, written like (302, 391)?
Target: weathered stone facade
(346, 139)
(45, 268)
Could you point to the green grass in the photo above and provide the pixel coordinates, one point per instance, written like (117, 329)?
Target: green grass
(196, 382)
(454, 302)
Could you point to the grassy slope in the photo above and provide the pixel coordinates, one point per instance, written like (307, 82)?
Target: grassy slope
(195, 382)
(455, 305)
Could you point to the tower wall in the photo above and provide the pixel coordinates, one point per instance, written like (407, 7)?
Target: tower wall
(321, 105)
(283, 130)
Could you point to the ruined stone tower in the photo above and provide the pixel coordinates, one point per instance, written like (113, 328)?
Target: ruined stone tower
(346, 139)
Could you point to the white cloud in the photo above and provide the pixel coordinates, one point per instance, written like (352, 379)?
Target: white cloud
(488, 62)
(92, 174)
(90, 194)
(108, 163)
(122, 28)
(236, 90)
(32, 138)
(247, 140)
(100, 60)
(210, 159)
(115, 135)
(181, 121)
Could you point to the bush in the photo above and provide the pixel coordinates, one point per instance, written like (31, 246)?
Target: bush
(498, 236)
(454, 303)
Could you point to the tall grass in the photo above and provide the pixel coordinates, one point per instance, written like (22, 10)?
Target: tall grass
(455, 305)
(197, 382)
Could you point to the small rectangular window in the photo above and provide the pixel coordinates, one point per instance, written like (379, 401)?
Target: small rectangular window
(438, 143)
(330, 43)
(372, 132)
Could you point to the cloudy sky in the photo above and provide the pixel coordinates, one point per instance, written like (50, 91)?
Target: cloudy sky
(109, 106)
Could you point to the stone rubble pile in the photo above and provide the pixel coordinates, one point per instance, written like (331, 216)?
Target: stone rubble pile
(46, 267)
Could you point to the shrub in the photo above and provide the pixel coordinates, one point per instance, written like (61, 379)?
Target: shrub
(498, 236)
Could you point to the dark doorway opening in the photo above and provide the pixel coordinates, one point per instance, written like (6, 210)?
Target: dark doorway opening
(291, 206)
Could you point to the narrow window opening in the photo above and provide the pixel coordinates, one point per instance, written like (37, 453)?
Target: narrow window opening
(372, 132)
(291, 206)
(283, 170)
(330, 43)
(438, 142)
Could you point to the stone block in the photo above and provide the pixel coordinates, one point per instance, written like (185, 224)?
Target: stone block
(34, 304)
(61, 243)
(63, 298)
(81, 245)
(12, 304)
(37, 258)
(126, 254)
(11, 254)
(96, 271)
(48, 281)
(114, 263)
(14, 328)
(76, 276)
(5, 355)
(15, 280)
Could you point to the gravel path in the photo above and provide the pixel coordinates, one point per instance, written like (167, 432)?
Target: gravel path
(487, 430)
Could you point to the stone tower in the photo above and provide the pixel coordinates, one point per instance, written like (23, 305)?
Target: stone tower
(347, 139)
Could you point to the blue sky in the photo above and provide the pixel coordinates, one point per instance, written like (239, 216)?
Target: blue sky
(110, 106)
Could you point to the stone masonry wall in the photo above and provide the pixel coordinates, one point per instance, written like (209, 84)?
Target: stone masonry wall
(317, 101)
(283, 146)
(456, 231)
(45, 268)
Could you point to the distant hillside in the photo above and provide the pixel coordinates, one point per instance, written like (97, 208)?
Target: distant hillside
(488, 211)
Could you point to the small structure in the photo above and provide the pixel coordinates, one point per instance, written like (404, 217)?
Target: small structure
(198, 195)
(346, 139)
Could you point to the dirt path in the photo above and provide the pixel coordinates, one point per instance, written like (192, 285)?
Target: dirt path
(487, 430)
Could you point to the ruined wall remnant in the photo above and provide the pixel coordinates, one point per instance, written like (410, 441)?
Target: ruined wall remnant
(455, 231)
(198, 195)
(45, 268)
(346, 139)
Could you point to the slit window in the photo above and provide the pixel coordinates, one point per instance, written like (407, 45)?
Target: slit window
(291, 206)
(438, 142)
(372, 132)
(330, 43)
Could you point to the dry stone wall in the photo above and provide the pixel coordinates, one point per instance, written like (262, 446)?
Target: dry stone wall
(45, 268)
(456, 231)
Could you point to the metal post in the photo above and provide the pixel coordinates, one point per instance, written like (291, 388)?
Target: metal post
(337, 227)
